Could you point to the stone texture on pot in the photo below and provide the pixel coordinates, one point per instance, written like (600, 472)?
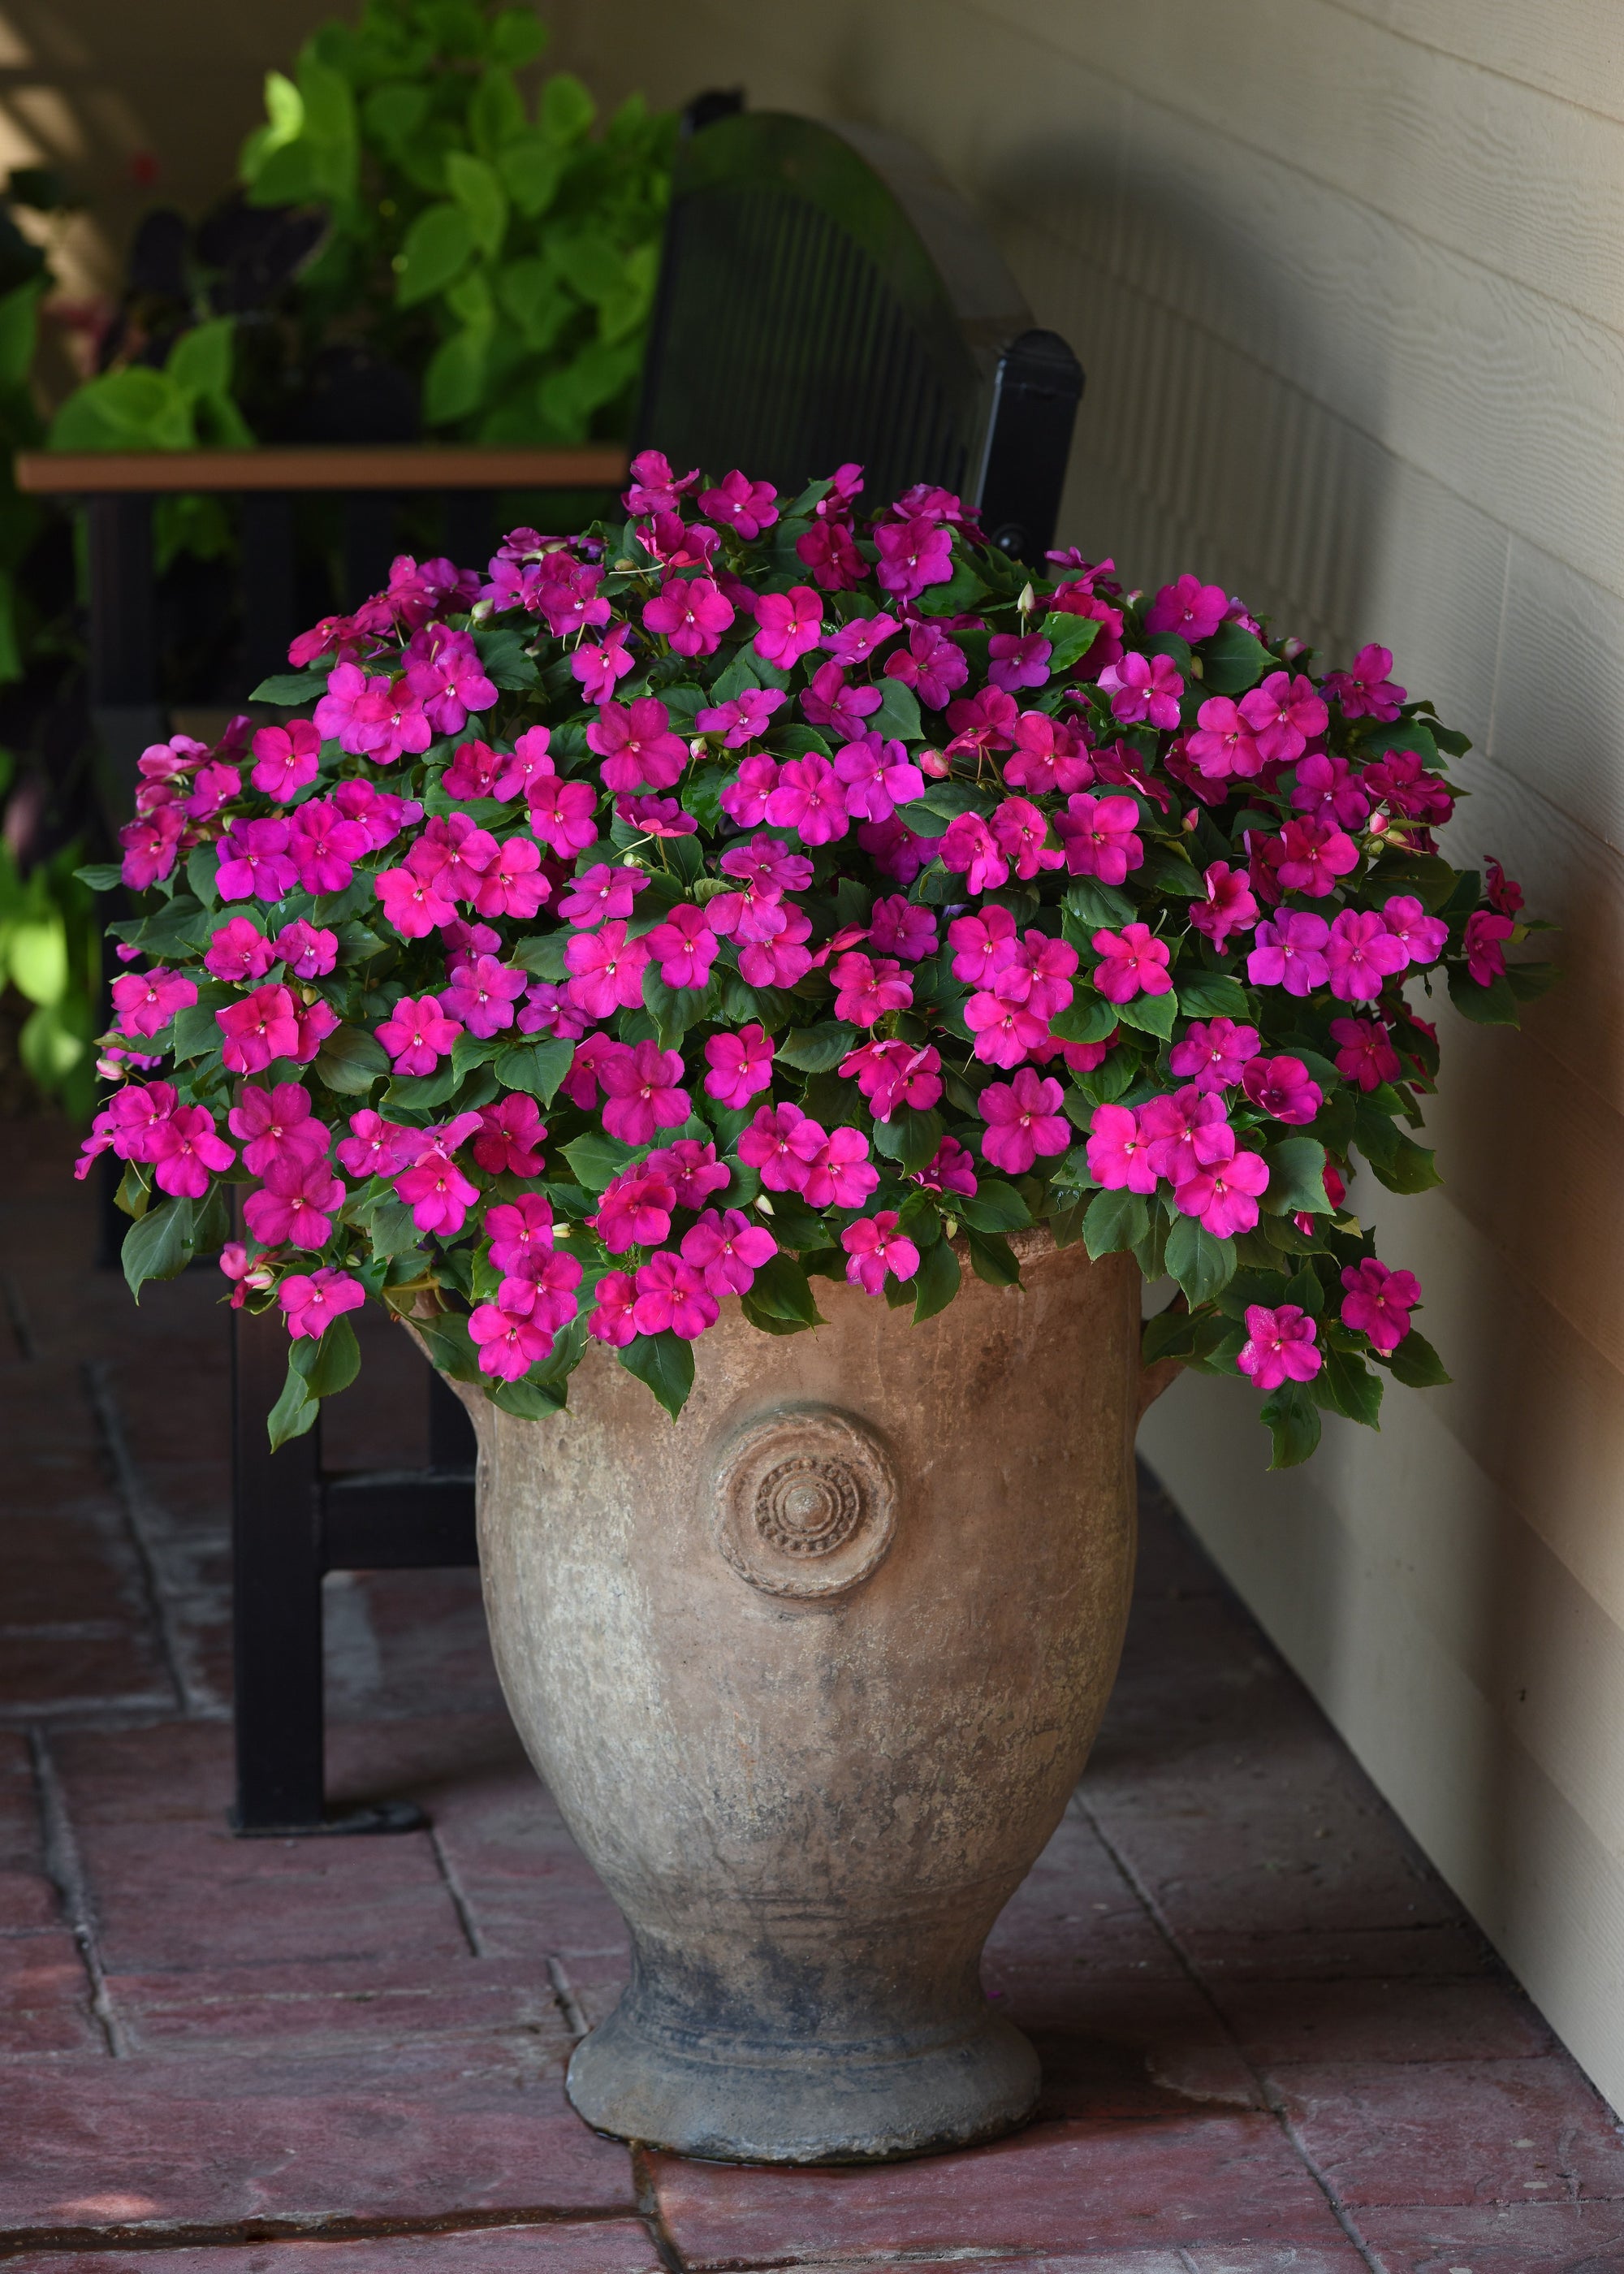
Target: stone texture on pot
(811, 1673)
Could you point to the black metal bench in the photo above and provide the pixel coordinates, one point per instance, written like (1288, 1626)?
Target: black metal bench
(824, 296)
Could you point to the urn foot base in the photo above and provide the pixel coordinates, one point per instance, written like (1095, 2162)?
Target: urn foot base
(698, 2096)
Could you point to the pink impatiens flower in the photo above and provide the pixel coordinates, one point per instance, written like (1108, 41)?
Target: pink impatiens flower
(690, 612)
(1280, 1346)
(633, 1211)
(1098, 833)
(285, 758)
(417, 1033)
(239, 950)
(147, 1000)
(782, 1144)
(1285, 714)
(1282, 1086)
(672, 1298)
(970, 849)
(187, 1148)
(637, 747)
(727, 1251)
(606, 970)
(519, 1230)
(612, 1320)
(1119, 1151)
(1189, 608)
(741, 1063)
(255, 863)
(1224, 1192)
(436, 1191)
(684, 947)
(295, 1204)
(839, 1174)
(1290, 952)
(1421, 937)
(810, 799)
(866, 991)
(509, 1139)
(1364, 1054)
(261, 1026)
(1223, 744)
(375, 1147)
(641, 1084)
(1485, 930)
(894, 1074)
(1365, 690)
(310, 1300)
(1361, 955)
(1133, 963)
(898, 927)
(277, 1126)
(744, 718)
(1215, 1054)
(875, 1246)
(789, 625)
(913, 554)
(950, 1169)
(1379, 1302)
(745, 506)
(1024, 1119)
(1230, 905)
(1144, 688)
(878, 777)
(1016, 660)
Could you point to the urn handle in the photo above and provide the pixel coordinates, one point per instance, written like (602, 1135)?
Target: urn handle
(805, 1499)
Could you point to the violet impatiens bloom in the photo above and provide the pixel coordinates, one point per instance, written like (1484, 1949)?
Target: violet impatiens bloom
(781, 1142)
(866, 991)
(638, 749)
(874, 1246)
(417, 1033)
(1283, 1087)
(1364, 1053)
(255, 863)
(239, 950)
(309, 951)
(898, 927)
(1422, 938)
(1285, 714)
(745, 506)
(1215, 1054)
(789, 625)
(1049, 758)
(878, 777)
(277, 1126)
(810, 799)
(606, 970)
(481, 994)
(1229, 906)
(931, 665)
(839, 1174)
(1280, 1346)
(378, 717)
(261, 1026)
(1290, 953)
(690, 612)
(1024, 1121)
(1224, 1191)
(727, 1251)
(914, 555)
(684, 947)
(1192, 610)
(1361, 955)
(744, 717)
(969, 849)
(1019, 659)
(310, 1300)
(1132, 962)
(1144, 688)
(643, 1086)
(1379, 1302)
(1365, 690)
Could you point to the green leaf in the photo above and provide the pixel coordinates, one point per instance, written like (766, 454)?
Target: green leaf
(994, 1206)
(501, 651)
(439, 245)
(817, 1049)
(782, 1290)
(1115, 1221)
(474, 184)
(1293, 1419)
(566, 108)
(1428, 877)
(542, 955)
(910, 1138)
(454, 377)
(1170, 869)
(1211, 995)
(451, 1347)
(1296, 1177)
(536, 1068)
(1344, 1384)
(1202, 1264)
(1089, 1018)
(158, 1245)
(1151, 1015)
(419, 1092)
(531, 169)
(1416, 1364)
(793, 1224)
(1494, 1006)
(294, 1410)
(937, 1280)
(202, 863)
(101, 875)
(1408, 1168)
(665, 1362)
(1070, 638)
(291, 689)
(351, 1061)
(1233, 660)
(196, 1032)
(529, 1399)
(898, 716)
(329, 1362)
(597, 1158)
(1098, 906)
(390, 1230)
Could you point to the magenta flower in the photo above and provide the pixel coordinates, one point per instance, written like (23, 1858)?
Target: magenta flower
(969, 849)
(895, 1073)
(866, 991)
(261, 1026)
(636, 745)
(150, 846)
(510, 1338)
(1361, 955)
(445, 675)
(1185, 1133)
(519, 1230)
(744, 799)
(950, 1169)
(897, 927)
(767, 863)
(315, 1022)
(744, 718)
(1144, 688)
(455, 852)
(746, 507)
(255, 863)
(277, 1127)
(1365, 1055)
(809, 799)
(135, 1115)
(1019, 660)
(375, 1147)
(285, 758)
(1119, 1151)
(309, 951)
(1006, 1028)
(1189, 608)
(518, 770)
(547, 1010)
(1020, 831)
(481, 994)
(382, 816)
(879, 776)
(984, 944)
(413, 901)
(1049, 757)
(741, 1064)
(932, 665)
(1290, 953)
(789, 625)
(239, 950)
(296, 1204)
(691, 1169)
(1485, 932)
(895, 849)
(324, 846)
(147, 1000)
(1133, 963)
(378, 719)
(1421, 937)
(1327, 791)
(1280, 1346)
(1230, 905)
(782, 1144)
(612, 1320)
(672, 1297)
(875, 1246)
(727, 1251)
(437, 1192)
(643, 1086)
(417, 1033)
(606, 970)
(1224, 1191)
(851, 644)
(983, 723)
(1379, 1302)
(186, 1149)
(473, 772)
(1308, 857)
(840, 1173)
(913, 554)
(1215, 1054)
(782, 959)
(841, 710)
(1285, 714)
(603, 892)
(1223, 744)
(1282, 1086)
(1023, 1119)
(1098, 834)
(600, 670)
(311, 1300)
(634, 1210)
(512, 886)
(1365, 690)
(684, 947)
(691, 613)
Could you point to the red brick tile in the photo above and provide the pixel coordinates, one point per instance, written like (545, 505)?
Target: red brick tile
(1114, 2048)
(1291, 2258)
(410, 2134)
(1221, 2177)
(598, 2246)
(1583, 2238)
(335, 2007)
(1466, 2132)
(1324, 1954)
(28, 1903)
(1392, 2021)
(1075, 1910)
(45, 1997)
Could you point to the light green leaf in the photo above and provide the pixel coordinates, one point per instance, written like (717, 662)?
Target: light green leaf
(439, 245)
(294, 1412)
(454, 381)
(474, 184)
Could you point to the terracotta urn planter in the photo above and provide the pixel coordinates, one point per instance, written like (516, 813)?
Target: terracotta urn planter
(811, 1673)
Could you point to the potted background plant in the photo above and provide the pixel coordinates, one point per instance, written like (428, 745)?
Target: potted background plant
(816, 971)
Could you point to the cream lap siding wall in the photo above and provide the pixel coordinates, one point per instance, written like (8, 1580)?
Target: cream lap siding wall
(1347, 276)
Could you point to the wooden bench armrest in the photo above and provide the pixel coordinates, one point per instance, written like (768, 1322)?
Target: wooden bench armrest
(318, 466)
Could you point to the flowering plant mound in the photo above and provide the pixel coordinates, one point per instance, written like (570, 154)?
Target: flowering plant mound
(745, 894)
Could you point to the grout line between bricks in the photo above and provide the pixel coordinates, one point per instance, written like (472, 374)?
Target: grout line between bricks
(459, 1899)
(646, 2195)
(568, 2005)
(66, 1871)
(183, 2235)
(17, 1312)
(1198, 1981)
(139, 1512)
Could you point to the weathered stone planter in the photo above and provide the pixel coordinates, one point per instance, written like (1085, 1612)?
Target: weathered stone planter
(811, 1673)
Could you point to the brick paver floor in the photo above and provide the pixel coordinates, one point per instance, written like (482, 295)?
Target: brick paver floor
(1270, 2039)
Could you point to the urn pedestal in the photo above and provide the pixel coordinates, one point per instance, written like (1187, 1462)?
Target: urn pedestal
(811, 1673)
